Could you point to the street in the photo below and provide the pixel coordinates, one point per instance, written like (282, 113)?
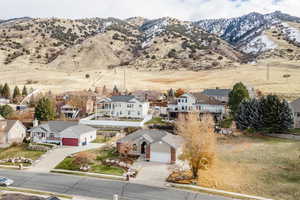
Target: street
(98, 188)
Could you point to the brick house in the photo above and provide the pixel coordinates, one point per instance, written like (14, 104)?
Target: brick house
(153, 145)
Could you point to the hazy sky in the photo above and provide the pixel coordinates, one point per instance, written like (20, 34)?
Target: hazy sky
(182, 9)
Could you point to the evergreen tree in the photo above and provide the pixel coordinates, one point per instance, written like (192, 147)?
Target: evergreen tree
(249, 115)
(236, 96)
(104, 90)
(170, 94)
(115, 91)
(44, 109)
(6, 91)
(1, 88)
(24, 91)
(277, 116)
(16, 94)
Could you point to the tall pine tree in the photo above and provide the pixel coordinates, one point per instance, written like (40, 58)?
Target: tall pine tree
(249, 115)
(16, 94)
(44, 109)
(1, 88)
(24, 91)
(236, 96)
(6, 91)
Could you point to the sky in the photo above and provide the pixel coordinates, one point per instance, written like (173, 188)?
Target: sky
(181, 9)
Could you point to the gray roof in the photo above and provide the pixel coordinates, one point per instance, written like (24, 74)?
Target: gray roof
(76, 131)
(153, 136)
(54, 126)
(217, 92)
(122, 98)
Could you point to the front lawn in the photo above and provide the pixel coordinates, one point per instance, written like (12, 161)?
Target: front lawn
(19, 151)
(256, 165)
(96, 163)
(100, 139)
(156, 120)
(295, 131)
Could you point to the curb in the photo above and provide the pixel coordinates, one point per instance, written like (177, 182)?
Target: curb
(219, 192)
(95, 175)
(35, 192)
(12, 167)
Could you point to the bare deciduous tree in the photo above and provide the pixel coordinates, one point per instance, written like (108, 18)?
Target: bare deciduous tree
(200, 141)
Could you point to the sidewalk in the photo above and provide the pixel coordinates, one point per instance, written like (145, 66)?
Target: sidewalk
(53, 157)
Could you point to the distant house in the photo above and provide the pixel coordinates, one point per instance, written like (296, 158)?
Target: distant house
(295, 106)
(195, 102)
(153, 145)
(219, 94)
(4, 101)
(123, 106)
(66, 133)
(11, 131)
(69, 111)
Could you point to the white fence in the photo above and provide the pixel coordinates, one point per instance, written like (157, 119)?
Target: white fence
(114, 123)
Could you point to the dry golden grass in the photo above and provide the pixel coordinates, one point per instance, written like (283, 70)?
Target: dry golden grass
(256, 165)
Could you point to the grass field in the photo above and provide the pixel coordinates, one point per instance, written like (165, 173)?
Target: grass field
(96, 165)
(19, 151)
(263, 166)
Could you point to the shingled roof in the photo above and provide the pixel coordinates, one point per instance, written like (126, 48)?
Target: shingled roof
(217, 92)
(153, 136)
(204, 99)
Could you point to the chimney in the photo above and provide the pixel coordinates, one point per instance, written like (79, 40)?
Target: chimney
(3, 124)
(35, 123)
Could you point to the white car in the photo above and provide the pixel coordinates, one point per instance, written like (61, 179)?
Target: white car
(5, 181)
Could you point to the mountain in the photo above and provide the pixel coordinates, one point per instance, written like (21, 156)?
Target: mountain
(256, 33)
(159, 44)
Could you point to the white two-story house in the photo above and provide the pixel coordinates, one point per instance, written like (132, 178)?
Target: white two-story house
(124, 106)
(195, 102)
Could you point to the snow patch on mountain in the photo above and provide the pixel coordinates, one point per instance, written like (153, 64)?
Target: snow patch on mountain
(291, 33)
(259, 44)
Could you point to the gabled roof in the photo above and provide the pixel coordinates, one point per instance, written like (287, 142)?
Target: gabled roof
(153, 136)
(121, 98)
(9, 125)
(217, 92)
(1, 118)
(76, 131)
(54, 126)
(204, 99)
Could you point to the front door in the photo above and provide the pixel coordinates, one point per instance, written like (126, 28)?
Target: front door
(143, 148)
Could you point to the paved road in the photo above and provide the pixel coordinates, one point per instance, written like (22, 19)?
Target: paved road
(54, 157)
(98, 188)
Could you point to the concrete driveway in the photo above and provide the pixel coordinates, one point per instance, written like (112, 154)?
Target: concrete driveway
(52, 158)
(151, 173)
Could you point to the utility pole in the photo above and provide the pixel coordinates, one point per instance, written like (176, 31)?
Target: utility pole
(268, 72)
(124, 79)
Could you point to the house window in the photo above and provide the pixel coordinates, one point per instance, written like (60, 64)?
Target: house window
(298, 114)
(139, 113)
(128, 112)
(134, 147)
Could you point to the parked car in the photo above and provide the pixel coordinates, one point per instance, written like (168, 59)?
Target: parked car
(5, 181)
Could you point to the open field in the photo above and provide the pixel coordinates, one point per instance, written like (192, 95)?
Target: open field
(254, 75)
(257, 165)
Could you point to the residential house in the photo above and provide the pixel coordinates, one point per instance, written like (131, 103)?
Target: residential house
(4, 101)
(219, 94)
(11, 131)
(123, 106)
(153, 145)
(196, 102)
(66, 133)
(69, 111)
(295, 107)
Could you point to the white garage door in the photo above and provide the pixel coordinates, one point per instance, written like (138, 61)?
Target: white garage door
(160, 152)
(160, 157)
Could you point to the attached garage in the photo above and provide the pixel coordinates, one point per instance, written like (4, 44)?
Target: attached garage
(70, 141)
(160, 152)
(78, 135)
